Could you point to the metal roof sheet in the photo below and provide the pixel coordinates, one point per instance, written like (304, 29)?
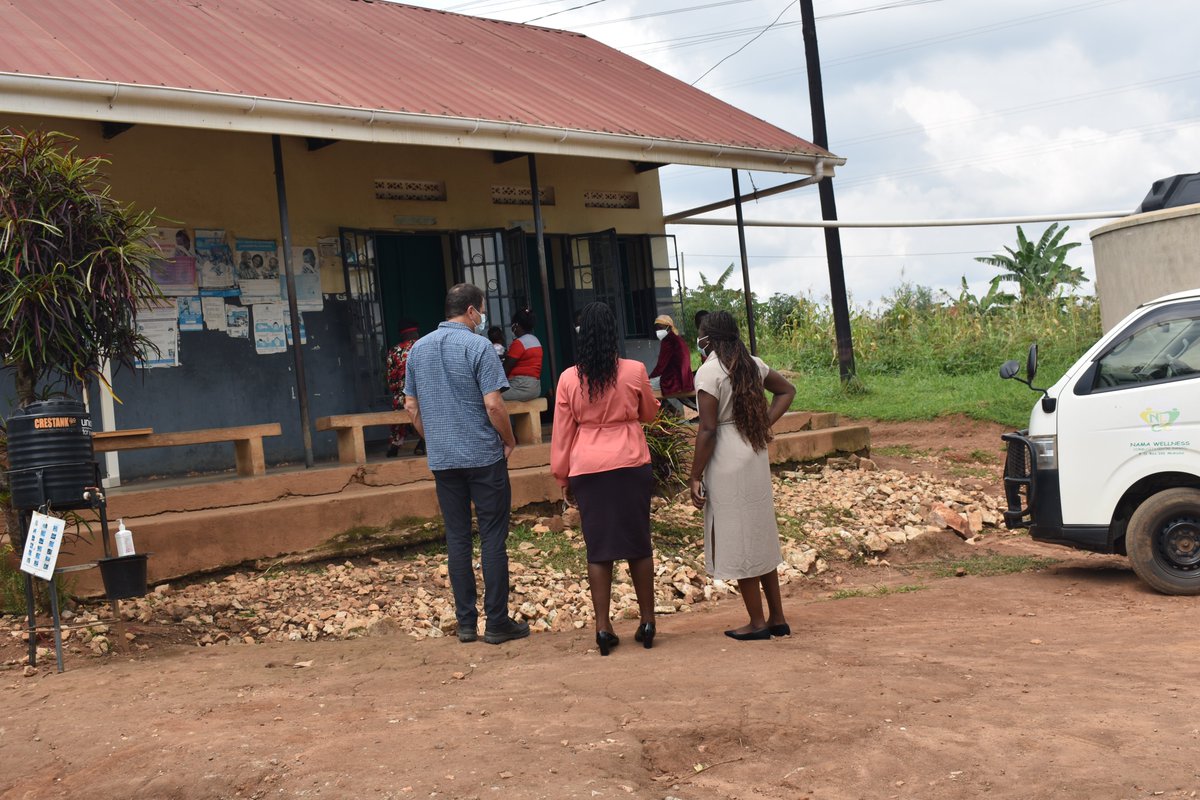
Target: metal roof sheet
(383, 56)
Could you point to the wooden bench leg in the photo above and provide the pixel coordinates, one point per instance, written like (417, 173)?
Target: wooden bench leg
(249, 456)
(352, 447)
(527, 427)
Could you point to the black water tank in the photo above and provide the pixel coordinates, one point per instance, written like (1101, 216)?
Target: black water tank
(1177, 190)
(55, 438)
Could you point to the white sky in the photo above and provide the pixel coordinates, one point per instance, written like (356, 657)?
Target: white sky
(943, 109)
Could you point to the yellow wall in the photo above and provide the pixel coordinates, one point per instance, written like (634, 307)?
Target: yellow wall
(212, 179)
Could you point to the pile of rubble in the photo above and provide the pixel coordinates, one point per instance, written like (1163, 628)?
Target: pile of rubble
(842, 511)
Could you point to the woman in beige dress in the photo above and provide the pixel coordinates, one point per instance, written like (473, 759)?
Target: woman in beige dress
(731, 473)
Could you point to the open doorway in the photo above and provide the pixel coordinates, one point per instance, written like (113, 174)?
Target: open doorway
(412, 280)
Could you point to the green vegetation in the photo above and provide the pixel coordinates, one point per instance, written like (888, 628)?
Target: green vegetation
(986, 566)
(12, 587)
(877, 591)
(674, 538)
(919, 355)
(554, 550)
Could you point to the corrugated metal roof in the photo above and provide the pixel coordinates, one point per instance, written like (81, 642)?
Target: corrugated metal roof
(382, 56)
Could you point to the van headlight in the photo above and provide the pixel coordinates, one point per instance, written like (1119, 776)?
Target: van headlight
(1045, 449)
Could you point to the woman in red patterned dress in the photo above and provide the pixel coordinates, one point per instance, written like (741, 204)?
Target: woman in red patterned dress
(396, 364)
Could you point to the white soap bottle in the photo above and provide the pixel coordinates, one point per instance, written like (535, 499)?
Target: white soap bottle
(124, 539)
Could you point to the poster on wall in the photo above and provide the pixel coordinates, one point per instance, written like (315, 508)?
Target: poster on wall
(308, 279)
(213, 309)
(329, 259)
(287, 327)
(175, 269)
(214, 263)
(237, 322)
(191, 313)
(160, 325)
(269, 336)
(258, 270)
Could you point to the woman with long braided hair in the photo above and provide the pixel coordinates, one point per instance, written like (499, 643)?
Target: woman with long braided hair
(731, 473)
(598, 455)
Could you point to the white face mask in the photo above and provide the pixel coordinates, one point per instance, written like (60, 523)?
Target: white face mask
(481, 328)
(699, 346)
(661, 334)
(577, 329)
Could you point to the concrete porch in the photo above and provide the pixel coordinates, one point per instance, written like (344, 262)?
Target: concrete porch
(201, 524)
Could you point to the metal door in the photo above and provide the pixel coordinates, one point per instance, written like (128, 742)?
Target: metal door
(595, 276)
(366, 316)
(493, 260)
(668, 280)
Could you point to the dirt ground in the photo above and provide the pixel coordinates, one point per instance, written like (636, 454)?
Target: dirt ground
(1061, 681)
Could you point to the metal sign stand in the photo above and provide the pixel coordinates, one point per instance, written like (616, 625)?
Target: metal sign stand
(95, 497)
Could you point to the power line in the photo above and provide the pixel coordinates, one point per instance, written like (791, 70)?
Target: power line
(747, 44)
(563, 11)
(821, 256)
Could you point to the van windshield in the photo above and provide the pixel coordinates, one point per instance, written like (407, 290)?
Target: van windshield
(1162, 351)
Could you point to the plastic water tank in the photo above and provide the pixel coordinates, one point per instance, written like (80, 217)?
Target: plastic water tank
(1177, 190)
(53, 437)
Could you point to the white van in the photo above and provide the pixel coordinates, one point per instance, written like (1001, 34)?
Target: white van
(1111, 459)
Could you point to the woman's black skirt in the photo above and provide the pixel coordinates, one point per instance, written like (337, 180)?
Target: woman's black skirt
(614, 510)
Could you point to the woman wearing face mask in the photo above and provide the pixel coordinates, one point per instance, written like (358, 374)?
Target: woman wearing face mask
(674, 367)
(731, 474)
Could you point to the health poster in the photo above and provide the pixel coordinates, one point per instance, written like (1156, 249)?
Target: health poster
(269, 336)
(175, 269)
(237, 322)
(42, 543)
(287, 327)
(191, 313)
(214, 313)
(160, 326)
(214, 263)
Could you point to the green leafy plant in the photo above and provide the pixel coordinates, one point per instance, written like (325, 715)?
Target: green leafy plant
(1038, 268)
(671, 441)
(74, 265)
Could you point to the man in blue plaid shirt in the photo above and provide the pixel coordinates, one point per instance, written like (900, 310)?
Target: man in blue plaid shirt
(453, 391)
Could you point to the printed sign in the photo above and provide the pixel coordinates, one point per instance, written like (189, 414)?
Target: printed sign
(42, 544)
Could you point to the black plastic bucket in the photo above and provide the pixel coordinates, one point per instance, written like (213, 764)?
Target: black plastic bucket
(124, 576)
(52, 438)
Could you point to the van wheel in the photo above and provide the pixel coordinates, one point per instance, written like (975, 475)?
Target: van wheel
(1163, 541)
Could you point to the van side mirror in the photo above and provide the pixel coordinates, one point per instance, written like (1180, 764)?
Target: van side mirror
(1031, 363)
(1009, 369)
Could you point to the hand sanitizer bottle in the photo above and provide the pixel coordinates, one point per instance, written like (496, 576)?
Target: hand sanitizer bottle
(124, 540)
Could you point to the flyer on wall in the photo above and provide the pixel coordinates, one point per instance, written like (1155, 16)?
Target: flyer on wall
(214, 263)
(214, 312)
(237, 322)
(175, 269)
(287, 327)
(308, 279)
(191, 313)
(160, 325)
(268, 326)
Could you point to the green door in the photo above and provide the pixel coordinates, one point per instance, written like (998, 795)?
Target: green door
(412, 281)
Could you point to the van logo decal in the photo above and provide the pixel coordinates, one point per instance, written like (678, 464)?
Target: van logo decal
(1159, 420)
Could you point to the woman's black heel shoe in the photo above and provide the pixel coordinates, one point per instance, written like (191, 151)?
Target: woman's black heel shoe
(606, 641)
(645, 635)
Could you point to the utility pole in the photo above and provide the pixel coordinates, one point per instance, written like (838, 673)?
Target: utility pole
(833, 239)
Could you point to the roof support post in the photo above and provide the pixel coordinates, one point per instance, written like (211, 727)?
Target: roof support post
(741, 226)
(285, 229)
(539, 232)
(833, 240)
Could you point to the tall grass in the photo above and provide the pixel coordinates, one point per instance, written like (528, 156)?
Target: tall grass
(920, 358)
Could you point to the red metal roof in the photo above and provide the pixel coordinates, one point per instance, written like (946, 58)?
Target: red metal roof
(371, 54)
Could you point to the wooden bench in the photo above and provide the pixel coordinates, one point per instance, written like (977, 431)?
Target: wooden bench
(247, 442)
(352, 447)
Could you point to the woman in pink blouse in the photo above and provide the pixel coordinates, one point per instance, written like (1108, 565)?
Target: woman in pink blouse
(598, 454)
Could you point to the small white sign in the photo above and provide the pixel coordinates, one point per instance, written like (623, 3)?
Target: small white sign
(42, 544)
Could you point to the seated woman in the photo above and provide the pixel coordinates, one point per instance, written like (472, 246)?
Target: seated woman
(523, 361)
(674, 368)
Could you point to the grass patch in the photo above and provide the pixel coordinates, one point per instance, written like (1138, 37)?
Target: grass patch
(986, 566)
(984, 457)
(831, 516)
(554, 550)
(671, 538)
(900, 451)
(877, 591)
